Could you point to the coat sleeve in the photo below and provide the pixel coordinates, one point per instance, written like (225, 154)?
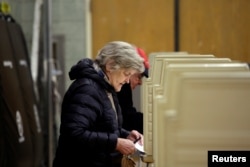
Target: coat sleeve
(124, 133)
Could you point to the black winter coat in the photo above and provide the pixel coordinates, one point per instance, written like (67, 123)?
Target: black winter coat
(89, 125)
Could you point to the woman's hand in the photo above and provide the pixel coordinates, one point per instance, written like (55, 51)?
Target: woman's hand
(125, 146)
(135, 136)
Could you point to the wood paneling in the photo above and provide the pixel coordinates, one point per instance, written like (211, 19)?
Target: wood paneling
(219, 27)
(145, 23)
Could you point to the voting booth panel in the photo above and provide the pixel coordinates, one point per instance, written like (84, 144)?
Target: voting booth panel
(147, 88)
(156, 64)
(161, 63)
(161, 92)
(17, 139)
(154, 55)
(27, 87)
(160, 55)
(207, 111)
(154, 58)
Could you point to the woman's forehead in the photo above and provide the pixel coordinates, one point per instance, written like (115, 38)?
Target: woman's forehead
(130, 70)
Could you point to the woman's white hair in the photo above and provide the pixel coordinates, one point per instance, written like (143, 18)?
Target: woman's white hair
(122, 54)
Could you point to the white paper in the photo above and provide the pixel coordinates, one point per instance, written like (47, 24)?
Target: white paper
(139, 147)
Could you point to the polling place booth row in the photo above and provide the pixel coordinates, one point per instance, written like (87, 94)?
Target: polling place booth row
(21, 139)
(193, 103)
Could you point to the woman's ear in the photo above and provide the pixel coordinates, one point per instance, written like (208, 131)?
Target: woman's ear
(109, 66)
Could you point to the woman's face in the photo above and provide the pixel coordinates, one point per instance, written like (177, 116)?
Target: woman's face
(119, 77)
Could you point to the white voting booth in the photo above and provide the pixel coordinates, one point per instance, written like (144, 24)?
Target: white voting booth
(157, 62)
(192, 105)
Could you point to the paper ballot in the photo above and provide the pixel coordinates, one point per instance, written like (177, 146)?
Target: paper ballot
(139, 147)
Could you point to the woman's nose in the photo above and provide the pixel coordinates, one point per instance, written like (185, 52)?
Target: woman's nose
(127, 79)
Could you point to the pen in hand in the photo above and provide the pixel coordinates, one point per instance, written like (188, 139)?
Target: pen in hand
(136, 140)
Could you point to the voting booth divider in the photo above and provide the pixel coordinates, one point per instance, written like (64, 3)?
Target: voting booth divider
(21, 137)
(193, 104)
(157, 62)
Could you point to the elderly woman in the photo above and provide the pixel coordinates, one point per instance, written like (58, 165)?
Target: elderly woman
(90, 133)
